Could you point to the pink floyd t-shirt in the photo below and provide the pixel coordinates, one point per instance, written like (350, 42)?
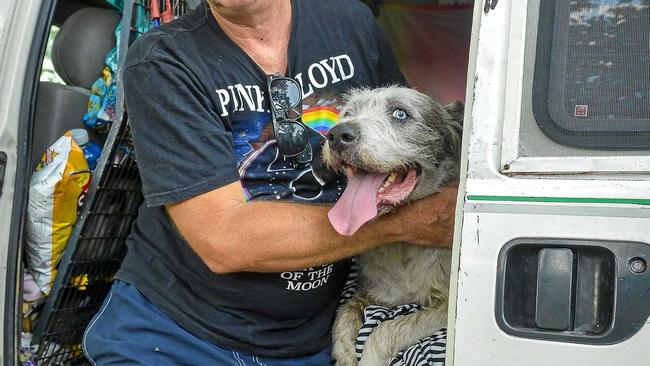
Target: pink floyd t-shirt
(200, 119)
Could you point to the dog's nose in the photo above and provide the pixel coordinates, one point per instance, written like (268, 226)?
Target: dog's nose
(343, 136)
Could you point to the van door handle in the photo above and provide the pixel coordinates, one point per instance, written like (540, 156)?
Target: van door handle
(585, 291)
(555, 283)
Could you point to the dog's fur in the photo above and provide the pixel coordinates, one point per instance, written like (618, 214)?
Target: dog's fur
(398, 273)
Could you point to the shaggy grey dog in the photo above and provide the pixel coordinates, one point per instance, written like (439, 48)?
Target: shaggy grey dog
(395, 145)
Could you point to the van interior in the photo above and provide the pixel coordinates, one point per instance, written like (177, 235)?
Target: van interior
(430, 38)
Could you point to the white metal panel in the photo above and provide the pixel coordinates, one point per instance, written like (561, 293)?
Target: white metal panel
(478, 339)
(4, 14)
(514, 81)
(495, 110)
(458, 223)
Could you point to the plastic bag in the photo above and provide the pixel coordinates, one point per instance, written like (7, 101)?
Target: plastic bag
(55, 191)
(100, 112)
(101, 103)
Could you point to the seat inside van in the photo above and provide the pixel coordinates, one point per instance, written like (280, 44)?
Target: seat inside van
(78, 52)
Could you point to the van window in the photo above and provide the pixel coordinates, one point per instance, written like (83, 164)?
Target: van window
(591, 85)
(47, 71)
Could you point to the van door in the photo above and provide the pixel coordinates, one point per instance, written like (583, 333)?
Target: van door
(23, 29)
(551, 261)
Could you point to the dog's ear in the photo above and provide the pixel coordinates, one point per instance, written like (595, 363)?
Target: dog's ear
(457, 110)
(453, 130)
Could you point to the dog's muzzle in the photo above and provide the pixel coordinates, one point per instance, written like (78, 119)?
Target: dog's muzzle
(343, 136)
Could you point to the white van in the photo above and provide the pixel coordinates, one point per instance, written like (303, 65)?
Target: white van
(552, 237)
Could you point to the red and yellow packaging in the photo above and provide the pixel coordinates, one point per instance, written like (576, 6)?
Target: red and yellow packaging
(58, 183)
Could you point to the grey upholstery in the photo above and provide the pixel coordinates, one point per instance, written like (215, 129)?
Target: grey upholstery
(78, 54)
(80, 47)
(65, 8)
(58, 108)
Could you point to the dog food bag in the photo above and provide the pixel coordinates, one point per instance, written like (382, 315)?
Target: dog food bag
(55, 190)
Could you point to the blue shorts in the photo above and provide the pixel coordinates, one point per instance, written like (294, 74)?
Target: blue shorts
(130, 330)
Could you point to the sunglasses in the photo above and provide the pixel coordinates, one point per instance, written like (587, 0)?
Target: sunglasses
(286, 109)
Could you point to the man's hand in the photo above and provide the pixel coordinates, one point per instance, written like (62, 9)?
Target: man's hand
(429, 221)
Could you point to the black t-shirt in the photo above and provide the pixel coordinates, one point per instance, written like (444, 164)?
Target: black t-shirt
(200, 120)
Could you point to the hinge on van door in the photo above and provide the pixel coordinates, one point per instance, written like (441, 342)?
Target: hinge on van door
(3, 164)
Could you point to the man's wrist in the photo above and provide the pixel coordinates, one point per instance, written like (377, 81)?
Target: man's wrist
(389, 228)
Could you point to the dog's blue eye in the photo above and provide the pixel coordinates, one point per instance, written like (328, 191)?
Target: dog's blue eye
(399, 114)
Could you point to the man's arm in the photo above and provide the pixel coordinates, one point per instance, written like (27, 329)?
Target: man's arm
(232, 235)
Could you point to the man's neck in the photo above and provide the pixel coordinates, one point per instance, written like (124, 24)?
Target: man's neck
(262, 29)
(257, 16)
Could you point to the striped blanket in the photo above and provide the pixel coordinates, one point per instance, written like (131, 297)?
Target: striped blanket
(429, 351)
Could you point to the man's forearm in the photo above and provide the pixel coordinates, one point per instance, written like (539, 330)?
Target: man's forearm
(232, 235)
(275, 236)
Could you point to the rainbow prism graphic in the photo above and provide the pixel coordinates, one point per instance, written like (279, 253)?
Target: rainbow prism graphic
(320, 118)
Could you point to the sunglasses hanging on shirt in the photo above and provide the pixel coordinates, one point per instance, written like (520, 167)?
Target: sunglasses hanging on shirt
(291, 135)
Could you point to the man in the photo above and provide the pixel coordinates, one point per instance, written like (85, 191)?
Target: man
(227, 263)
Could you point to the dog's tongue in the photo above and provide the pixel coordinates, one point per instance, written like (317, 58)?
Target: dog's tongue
(358, 204)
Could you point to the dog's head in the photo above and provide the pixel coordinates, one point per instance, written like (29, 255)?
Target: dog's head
(395, 145)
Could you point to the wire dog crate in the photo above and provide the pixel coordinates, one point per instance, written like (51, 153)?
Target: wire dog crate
(96, 247)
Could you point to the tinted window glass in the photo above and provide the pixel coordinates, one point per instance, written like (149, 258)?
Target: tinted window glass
(592, 73)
